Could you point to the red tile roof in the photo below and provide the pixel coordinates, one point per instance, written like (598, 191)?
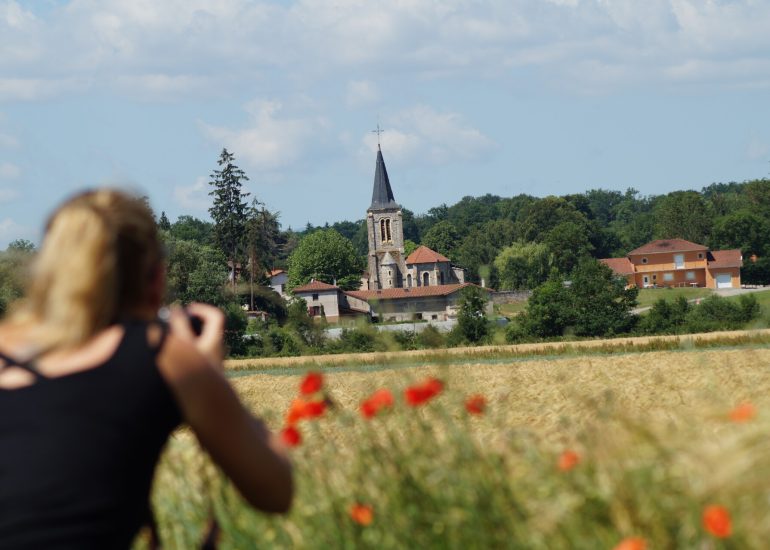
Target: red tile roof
(725, 258)
(314, 286)
(413, 292)
(667, 245)
(424, 255)
(621, 266)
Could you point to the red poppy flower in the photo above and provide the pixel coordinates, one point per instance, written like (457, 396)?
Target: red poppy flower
(717, 522)
(743, 412)
(311, 383)
(424, 392)
(631, 543)
(476, 404)
(362, 514)
(568, 460)
(300, 409)
(290, 436)
(379, 400)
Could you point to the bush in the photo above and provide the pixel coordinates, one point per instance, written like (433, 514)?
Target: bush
(235, 328)
(716, 313)
(472, 323)
(665, 317)
(360, 339)
(431, 337)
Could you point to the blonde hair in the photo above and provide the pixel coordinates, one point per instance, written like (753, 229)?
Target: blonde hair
(96, 263)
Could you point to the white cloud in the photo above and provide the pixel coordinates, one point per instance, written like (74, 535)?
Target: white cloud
(158, 49)
(9, 171)
(31, 89)
(271, 142)
(193, 197)
(361, 92)
(433, 136)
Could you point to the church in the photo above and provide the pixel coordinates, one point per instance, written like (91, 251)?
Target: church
(422, 286)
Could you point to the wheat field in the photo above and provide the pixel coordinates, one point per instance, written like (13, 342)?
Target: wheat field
(652, 430)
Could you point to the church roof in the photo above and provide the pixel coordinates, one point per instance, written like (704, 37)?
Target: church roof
(382, 194)
(424, 255)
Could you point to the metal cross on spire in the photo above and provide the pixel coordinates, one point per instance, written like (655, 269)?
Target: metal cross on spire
(378, 131)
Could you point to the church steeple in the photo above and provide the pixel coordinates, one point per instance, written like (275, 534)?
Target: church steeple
(382, 194)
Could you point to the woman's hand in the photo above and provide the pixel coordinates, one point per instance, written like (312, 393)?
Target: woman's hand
(209, 342)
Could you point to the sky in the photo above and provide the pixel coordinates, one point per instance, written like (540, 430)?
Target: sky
(544, 97)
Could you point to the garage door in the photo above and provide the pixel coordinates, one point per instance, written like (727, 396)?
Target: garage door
(724, 280)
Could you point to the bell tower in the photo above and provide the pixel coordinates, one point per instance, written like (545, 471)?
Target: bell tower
(387, 268)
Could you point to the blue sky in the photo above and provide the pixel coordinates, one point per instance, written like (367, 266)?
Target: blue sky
(475, 96)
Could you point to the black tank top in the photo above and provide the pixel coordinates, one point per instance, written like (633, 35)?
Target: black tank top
(78, 452)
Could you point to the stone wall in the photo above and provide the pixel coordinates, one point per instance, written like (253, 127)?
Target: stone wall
(510, 296)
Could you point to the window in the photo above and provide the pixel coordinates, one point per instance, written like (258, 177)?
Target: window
(385, 230)
(315, 297)
(644, 260)
(316, 311)
(700, 255)
(425, 279)
(655, 277)
(441, 278)
(409, 280)
(690, 275)
(668, 276)
(679, 261)
(434, 317)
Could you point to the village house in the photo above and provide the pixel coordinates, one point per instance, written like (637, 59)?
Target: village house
(423, 286)
(679, 263)
(278, 279)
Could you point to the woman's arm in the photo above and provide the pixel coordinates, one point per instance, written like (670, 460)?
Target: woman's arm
(240, 444)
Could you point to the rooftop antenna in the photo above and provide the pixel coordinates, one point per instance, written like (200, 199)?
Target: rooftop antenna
(378, 131)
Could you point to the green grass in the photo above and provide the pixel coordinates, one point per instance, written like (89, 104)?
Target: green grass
(648, 296)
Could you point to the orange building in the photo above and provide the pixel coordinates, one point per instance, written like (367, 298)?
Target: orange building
(679, 263)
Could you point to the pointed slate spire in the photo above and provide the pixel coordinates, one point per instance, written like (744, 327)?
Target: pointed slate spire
(382, 194)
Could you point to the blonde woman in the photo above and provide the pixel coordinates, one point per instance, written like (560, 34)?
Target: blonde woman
(91, 386)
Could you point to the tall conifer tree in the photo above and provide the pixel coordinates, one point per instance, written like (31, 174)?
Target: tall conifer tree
(229, 210)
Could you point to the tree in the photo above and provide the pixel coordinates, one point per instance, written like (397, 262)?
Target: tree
(189, 228)
(21, 245)
(327, 256)
(262, 240)
(568, 243)
(594, 303)
(545, 214)
(549, 310)
(13, 269)
(602, 303)
(163, 222)
(472, 322)
(196, 273)
(683, 214)
(442, 237)
(523, 265)
(744, 230)
(229, 208)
